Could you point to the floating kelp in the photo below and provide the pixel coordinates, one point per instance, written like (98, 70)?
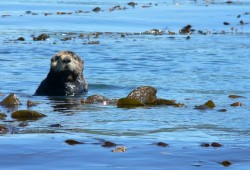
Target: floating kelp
(10, 101)
(27, 115)
(73, 142)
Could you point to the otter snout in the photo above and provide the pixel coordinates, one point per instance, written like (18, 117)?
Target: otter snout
(66, 60)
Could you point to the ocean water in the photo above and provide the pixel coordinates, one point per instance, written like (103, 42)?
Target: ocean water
(209, 64)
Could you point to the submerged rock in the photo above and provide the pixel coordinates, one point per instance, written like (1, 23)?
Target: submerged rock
(27, 115)
(10, 101)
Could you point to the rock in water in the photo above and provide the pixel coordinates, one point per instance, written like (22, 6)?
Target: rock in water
(145, 94)
(10, 101)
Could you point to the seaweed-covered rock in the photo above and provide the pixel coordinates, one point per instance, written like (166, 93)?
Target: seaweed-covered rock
(208, 105)
(141, 96)
(41, 37)
(27, 115)
(3, 115)
(165, 102)
(129, 102)
(10, 101)
(145, 94)
(95, 99)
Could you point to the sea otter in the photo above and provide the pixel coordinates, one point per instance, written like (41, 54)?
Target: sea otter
(65, 77)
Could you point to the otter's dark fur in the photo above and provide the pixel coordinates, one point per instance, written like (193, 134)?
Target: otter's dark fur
(65, 76)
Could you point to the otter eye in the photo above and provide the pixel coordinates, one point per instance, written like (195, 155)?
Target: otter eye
(57, 58)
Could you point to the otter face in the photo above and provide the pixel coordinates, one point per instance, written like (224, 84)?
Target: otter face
(66, 61)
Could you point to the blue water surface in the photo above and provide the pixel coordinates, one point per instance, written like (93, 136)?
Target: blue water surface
(209, 64)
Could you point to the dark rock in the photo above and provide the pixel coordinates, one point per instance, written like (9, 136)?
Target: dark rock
(185, 30)
(222, 110)
(20, 39)
(205, 144)
(55, 125)
(162, 144)
(226, 163)
(73, 142)
(97, 9)
(108, 144)
(216, 144)
(236, 104)
(3, 115)
(226, 23)
(41, 37)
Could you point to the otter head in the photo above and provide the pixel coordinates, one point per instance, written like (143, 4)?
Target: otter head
(67, 64)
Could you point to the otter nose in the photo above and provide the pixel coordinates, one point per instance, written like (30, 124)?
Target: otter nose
(66, 60)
